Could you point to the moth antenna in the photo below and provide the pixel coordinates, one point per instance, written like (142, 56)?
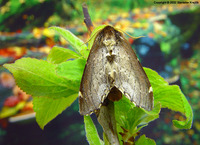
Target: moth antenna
(129, 34)
(91, 37)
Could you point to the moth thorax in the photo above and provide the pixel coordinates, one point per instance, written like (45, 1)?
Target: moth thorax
(109, 42)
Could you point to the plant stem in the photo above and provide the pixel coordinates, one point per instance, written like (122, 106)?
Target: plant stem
(106, 117)
(87, 19)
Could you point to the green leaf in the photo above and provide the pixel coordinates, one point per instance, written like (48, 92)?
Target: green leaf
(59, 54)
(170, 96)
(74, 41)
(48, 108)
(39, 78)
(72, 70)
(155, 79)
(91, 132)
(143, 140)
(151, 115)
(130, 117)
(121, 109)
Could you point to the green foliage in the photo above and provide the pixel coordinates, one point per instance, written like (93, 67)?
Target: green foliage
(74, 41)
(39, 78)
(12, 12)
(171, 97)
(64, 55)
(91, 132)
(143, 140)
(129, 117)
(47, 108)
(54, 85)
(15, 7)
(72, 70)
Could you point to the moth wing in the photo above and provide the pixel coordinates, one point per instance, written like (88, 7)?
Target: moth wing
(94, 84)
(131, 80)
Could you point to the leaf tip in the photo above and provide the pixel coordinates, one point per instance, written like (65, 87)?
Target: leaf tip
(41, 126)
(6, 65)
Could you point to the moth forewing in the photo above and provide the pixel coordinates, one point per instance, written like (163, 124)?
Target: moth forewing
(136, 85)
(113, 63)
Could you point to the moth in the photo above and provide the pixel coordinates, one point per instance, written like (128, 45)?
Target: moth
(113, 67)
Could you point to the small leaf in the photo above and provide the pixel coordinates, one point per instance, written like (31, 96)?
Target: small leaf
(143, 140)
(121, 109)
(155, 79)
(39, 78)
(151, 115)
(74, 41)
(72, 69)
(130, 117)
(170, 96)
(48, 108)
(91, 132)
(59, 54)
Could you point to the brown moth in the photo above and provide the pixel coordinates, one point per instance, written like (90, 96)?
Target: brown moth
(112, 66)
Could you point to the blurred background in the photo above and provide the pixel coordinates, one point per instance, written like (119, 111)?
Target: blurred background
(171, 47)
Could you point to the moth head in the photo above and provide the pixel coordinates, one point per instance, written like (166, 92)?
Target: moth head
(109, 32)
(108, 36)
(106, 33)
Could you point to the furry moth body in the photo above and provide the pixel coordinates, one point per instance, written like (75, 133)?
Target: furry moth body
(112, 64)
